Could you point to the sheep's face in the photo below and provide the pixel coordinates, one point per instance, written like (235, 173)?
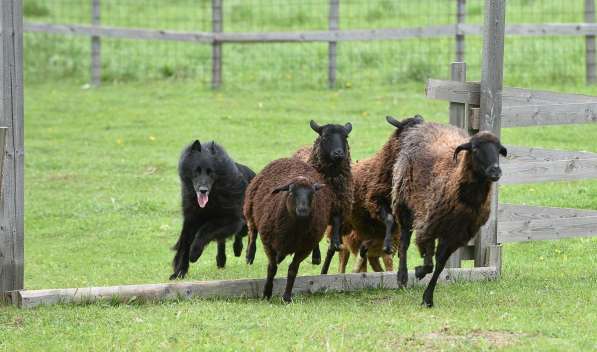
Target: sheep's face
(334, 140)
(299, 201)
(484, 149)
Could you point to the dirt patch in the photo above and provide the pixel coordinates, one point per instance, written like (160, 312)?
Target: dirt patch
(61, 177)
(446, 339)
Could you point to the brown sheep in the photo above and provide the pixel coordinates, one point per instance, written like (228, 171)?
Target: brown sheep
(330, 156)
(445, 195)
(288, 205)
(371, 217)
(365, 251)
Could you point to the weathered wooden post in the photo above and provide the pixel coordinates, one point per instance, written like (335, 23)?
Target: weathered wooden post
(487, 251)
(2, 151)
(460, 18)
(96, 46)
(216, 47)
(333, 24)
(591, 74)
(458, 119)
(11, 116)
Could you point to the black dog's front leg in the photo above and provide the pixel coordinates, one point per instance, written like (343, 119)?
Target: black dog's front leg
(210, 231)
(180, 263)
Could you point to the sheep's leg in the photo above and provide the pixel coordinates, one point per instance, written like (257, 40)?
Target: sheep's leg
(388, 220)
(272, 268)
(316, 255)
(252, 245)
(406, 230)
(360, 265)
(292, 272)
(221, 256)
(237, 246)
(328, 260)
(427, 267)
(388, 262)
(343, 257)
(441, 257)
(335, 243)
(209, 232)
(181, 259)
(375, 264)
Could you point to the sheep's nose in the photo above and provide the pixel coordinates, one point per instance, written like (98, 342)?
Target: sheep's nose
(302, 211)
(338, 154)
(494, 172)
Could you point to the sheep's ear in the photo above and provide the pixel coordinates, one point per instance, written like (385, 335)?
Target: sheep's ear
(503, 150)
(466, 146)
(318, 186)
(196, 146)
(212, 147)
(392, 121)
(348, 127)
(315, 127)
(284, 188)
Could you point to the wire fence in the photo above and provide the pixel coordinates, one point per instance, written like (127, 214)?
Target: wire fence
(531, 60)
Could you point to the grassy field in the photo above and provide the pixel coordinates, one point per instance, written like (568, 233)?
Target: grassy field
(102, 208)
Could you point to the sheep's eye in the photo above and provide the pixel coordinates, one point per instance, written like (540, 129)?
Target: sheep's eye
(208, 171)
(198, 170)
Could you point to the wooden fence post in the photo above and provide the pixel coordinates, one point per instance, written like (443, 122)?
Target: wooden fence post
(591, 74)
(2, 151)
(11, 116)
(460, 18)
(491, 108)
(333, 24)
(96, 45)
(216, 47)
(457, 118)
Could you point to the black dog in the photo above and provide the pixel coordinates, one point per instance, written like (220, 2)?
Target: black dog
(213, 189)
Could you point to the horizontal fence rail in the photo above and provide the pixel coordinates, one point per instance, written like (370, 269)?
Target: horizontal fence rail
(247, 288)
(550, 29)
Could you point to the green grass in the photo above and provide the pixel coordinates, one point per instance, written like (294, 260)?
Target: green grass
(102, 208)
(529, 60)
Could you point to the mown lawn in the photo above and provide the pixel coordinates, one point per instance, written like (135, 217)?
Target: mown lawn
(102, 200)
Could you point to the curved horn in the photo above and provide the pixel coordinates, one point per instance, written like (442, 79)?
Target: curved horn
(503, 150)
(466, 146)
(392, 121)
(348, 127)
(284, 188)
(315, 127)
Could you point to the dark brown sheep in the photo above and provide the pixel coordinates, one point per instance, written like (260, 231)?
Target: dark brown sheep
(289, 206)
(330, 156)
(445, 195)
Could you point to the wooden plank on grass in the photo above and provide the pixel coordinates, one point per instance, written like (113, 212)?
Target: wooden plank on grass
(249, 288)
(520, 223)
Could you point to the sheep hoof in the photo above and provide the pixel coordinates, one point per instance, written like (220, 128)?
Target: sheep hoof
(421, 271)
(427, 304)
(250, 260)
(220, 261)
(402, 279)
(287, 298)
(237, 247)
(316, 260)
(387, 249)
(363, 252)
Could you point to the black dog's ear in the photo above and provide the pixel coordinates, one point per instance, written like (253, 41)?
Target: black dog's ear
(196, 146)
(318, 186)
(392, 121)
(348, 127)
(503, 150)
(212, 147)
(315, 127)
(466, 146)
(284, 188)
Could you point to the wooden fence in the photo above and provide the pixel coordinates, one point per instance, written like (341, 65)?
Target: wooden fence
(474, 106)
(217, 37)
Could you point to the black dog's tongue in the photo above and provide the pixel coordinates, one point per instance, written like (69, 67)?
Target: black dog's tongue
(202, 199)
